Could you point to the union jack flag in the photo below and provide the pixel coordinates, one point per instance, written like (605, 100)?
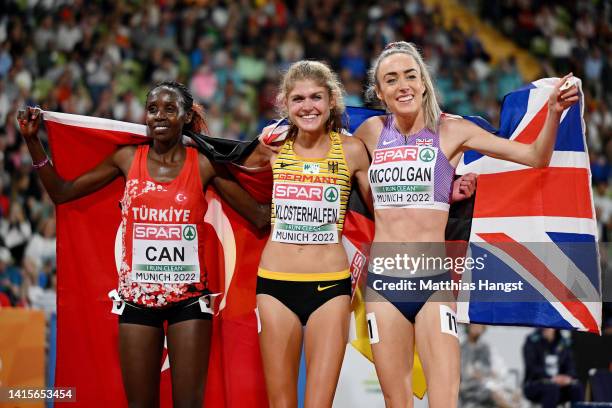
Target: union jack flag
(424, 142)
(535, 226)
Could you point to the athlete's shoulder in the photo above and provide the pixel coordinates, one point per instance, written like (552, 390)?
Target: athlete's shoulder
(127, 149)
(372, 124)
(352, 145)
(454, 121)
(202, 159)
(370, 130)
(125, 154)
(454, 125)
(356, 153)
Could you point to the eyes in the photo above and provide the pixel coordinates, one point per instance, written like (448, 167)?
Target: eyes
(168, 108)
(391, 80)
(301, 98)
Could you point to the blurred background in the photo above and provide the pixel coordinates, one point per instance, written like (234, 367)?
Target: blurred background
(99, 58)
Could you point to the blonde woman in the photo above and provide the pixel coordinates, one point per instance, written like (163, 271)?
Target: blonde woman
(411, 213)
(304, 284)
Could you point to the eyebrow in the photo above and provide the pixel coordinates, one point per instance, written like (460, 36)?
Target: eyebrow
(310, 95)
(395, 73)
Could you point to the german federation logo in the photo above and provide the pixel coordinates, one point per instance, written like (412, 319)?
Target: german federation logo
(427, 154)
(331, 194)
(311, 168)
(189, 233)
(332, 166)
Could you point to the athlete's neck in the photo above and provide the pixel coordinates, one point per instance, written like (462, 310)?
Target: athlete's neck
(408, 125)
(311, 140)
(168, 151)
(311, 145)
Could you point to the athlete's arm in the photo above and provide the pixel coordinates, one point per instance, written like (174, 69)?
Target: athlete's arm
(536, 154)
(359, 163)
(61, 190)
(262, 154)
(233, 193)
(369, 131)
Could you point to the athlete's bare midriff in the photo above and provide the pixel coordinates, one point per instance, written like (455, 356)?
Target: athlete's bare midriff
(296, 258)
(410, 225)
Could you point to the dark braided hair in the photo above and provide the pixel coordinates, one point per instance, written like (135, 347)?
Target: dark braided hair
(198, 122)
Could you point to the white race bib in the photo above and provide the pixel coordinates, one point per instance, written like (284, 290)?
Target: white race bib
(165, 253)
(306, 213)
(403, 176)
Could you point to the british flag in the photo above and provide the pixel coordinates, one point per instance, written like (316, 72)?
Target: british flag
(535, 226)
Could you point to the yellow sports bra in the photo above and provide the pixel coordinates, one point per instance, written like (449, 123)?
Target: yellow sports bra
(310, 196)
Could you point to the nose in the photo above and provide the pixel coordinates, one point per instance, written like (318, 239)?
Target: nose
(160, 114)
(307, 104)
(403, 83)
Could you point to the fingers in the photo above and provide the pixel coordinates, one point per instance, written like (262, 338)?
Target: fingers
(566, 82)
(34, 112)
(273, 148)
(565, 93)
(30, 113)
(467, 185)
(470, 177)
(265, 132)
(28, 120)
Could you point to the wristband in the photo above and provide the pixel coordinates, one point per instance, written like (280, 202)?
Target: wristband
(41, 164)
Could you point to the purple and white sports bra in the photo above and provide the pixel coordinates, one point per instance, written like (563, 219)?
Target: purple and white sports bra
(410, 171)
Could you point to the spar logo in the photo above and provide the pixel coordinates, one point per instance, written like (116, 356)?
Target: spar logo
(158, 232)
(357, 264)
(427, 154)
(331, 194)
(189, 233)
(395, 154)
(298, 192)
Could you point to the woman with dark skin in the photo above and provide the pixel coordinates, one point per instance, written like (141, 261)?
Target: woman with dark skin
(169, 111)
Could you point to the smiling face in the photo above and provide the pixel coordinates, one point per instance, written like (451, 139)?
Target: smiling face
(165, 115)
(309, 105)
(399, 84)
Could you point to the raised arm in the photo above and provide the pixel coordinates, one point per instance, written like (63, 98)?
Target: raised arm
(61, 190)
(536, 154)
(233, 193)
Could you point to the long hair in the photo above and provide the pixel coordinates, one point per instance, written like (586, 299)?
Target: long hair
(431, 108)
(323, 76)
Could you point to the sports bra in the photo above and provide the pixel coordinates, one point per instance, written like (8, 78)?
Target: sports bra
(310, 196)
(410, 171)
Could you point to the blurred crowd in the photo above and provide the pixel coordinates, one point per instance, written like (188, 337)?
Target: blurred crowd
(99, 58)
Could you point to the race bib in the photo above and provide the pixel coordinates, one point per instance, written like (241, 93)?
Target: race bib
(165, 253)
(403, 176)
(306, 213)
